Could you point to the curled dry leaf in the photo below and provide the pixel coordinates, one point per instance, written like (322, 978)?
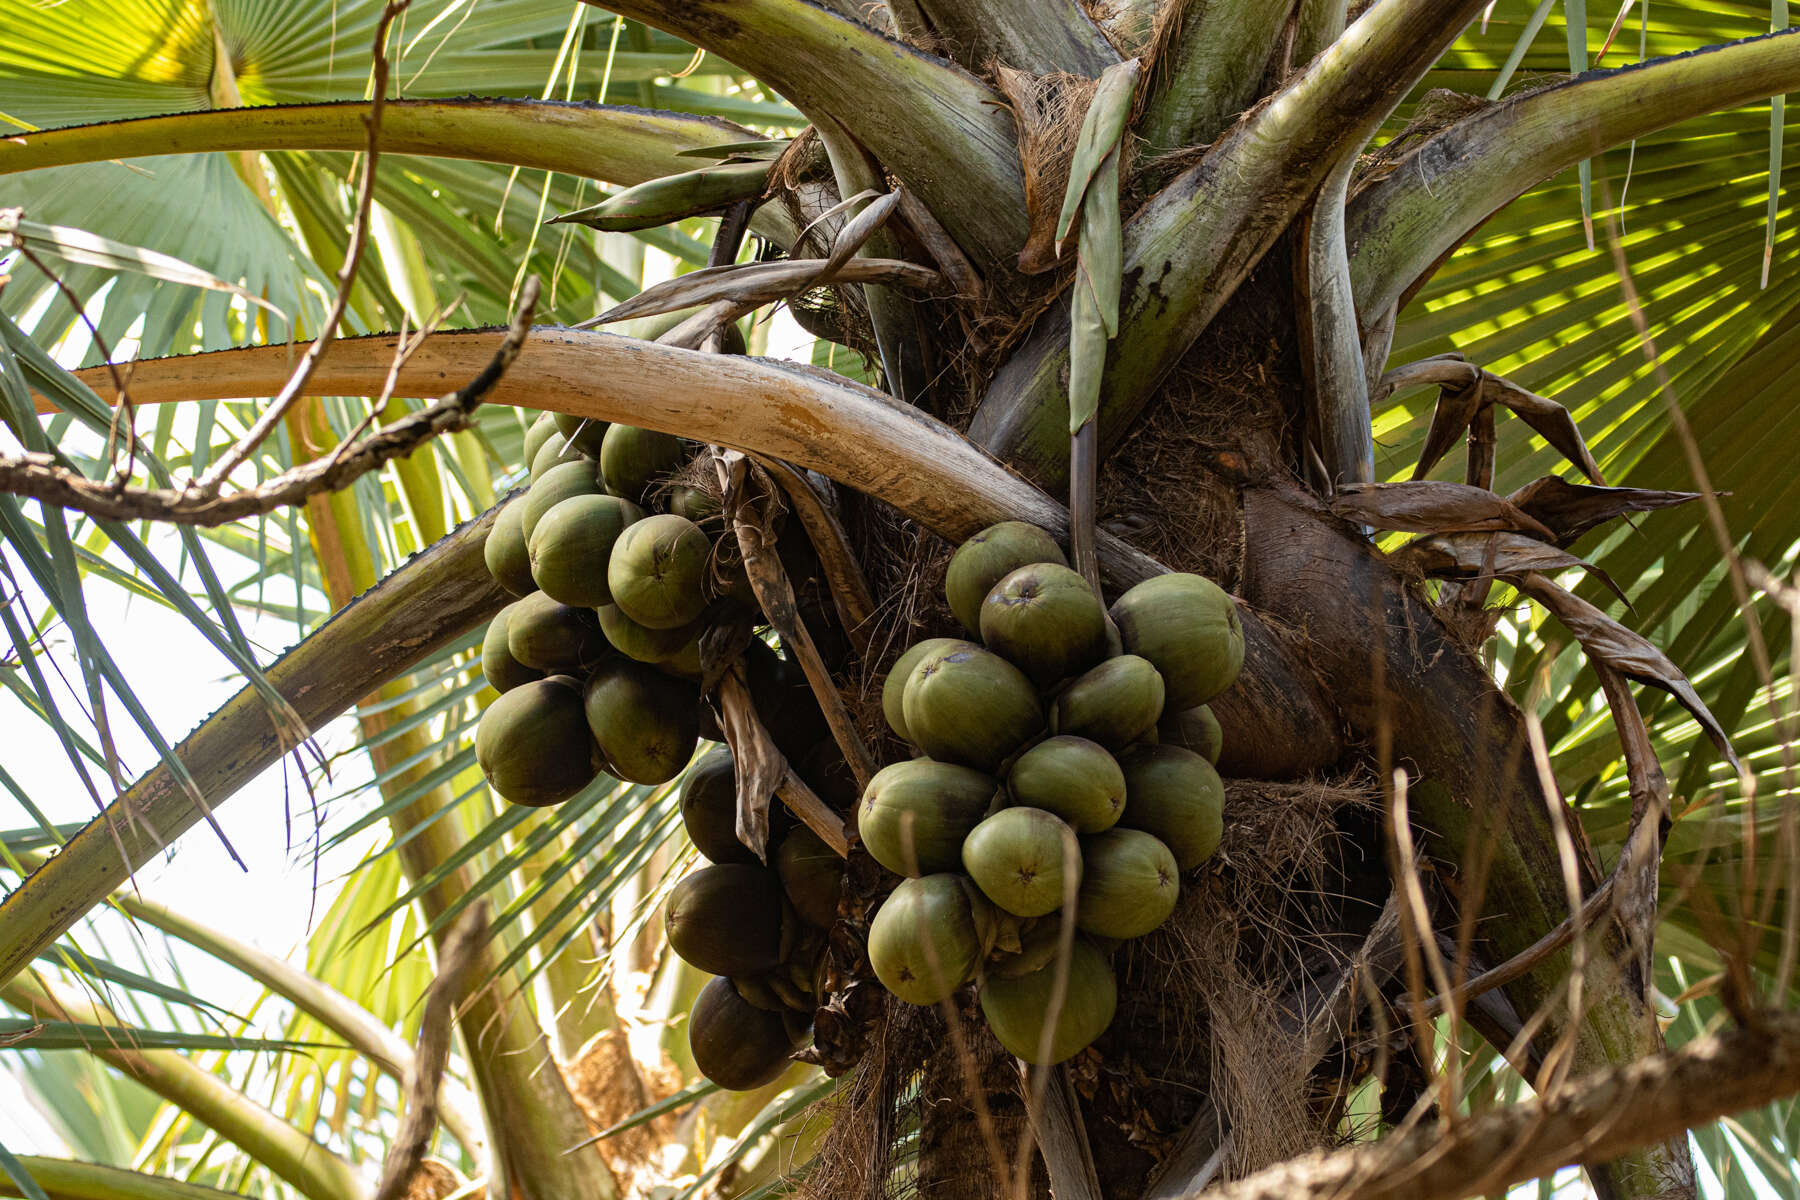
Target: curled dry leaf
(1488, 555)
(1550, 419)
(1571, 509)
(1629, 653)
(1456, 409)
(761, 767)
(1428, 506)
(1462, 398)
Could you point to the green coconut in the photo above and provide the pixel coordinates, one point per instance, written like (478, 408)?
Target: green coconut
(735, 1044)
(696, 504)
(1193, 729)
(913, 816)
(812, 875)
(1188, 628)
(554, 452)
(709, 808)
(1129, 883)
(554, 637)
(1114, 704)
(893, 690)
(583, 433)
(1019, 858)
(1176, 795)
(726, 919)
(505, 553)
(561, 482)
(536, 434)
(643, 719)
(533, 744)
(1072, 777)
(502, 670)
(657, 571)
(989, 557)
(685, 663)
(1046, 620)
(571, 544)
(967, 705)
(1018, 1009)
(644, 644)
(924, 942)
(633, 459)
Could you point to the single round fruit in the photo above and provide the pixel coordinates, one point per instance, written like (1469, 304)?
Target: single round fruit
(503, 671)
(685, 662)
(735, 1044)
(1017, 1009)
(572, 543)
(631, 459)
(989, 557)
(1193, 729)
(1019, 858)
(536, 434)
(1175, 795)
(812, 875)
(967, 705)
(1188, 628)
(1045, 619)
(1114, 704)
(657, 571)
(726, 919)
(554, 637)
(559, 483)
(507, 559)
(893, 690)
(709, 808)
(693, 503)
(553, 453)
(533, 744)
(923, 942)
(1129, 883)
(643, 719)
(1072, 777)
(914, 815)
(644, 644)
(583, 433)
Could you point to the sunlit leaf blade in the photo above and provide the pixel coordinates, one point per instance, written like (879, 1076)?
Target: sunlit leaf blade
(25, 1034)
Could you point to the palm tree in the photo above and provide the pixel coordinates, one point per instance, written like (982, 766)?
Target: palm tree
(1320, 209)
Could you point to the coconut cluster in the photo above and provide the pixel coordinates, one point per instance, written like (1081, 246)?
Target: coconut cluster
(1065, 778)
(598, 660)
(759, 928)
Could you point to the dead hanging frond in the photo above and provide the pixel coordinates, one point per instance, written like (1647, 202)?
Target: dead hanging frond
(1466, 391)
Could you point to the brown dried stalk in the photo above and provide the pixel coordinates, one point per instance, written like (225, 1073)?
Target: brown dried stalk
(41, 477)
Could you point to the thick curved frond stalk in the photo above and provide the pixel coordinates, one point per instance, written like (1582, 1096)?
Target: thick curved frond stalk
(944, 133)
(1441, 192)
(595, 141)
(1039, 36)
(65, 1179)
